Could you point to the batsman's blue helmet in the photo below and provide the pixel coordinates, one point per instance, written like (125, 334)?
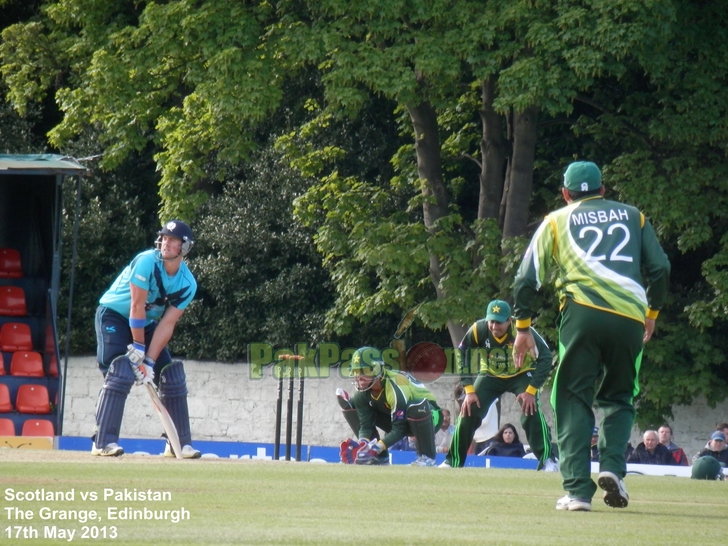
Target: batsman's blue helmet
(180, 230)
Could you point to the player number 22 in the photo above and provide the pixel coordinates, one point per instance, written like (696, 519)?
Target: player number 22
(615, 256)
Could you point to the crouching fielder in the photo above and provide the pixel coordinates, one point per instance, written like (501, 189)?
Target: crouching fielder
(392, 401)
(134, 323)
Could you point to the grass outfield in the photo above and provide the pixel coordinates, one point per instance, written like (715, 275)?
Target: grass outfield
(265, 502)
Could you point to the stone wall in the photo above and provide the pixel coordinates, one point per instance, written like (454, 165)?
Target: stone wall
(226, 404)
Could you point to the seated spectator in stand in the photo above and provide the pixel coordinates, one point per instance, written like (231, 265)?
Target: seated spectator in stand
(444, 435)
(651, 451)
(716, 448)
(408, 443)
(723, 427)
(505, 444)
(665, 434)
(594, 447)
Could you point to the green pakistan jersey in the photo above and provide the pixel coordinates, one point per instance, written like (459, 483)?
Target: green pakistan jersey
(486, 354)
(399, 391)
(601, 248)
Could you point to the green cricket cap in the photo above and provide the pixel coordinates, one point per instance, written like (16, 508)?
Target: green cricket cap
(582, 176)
(498, 310)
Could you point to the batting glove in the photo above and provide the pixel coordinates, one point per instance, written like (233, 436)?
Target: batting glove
(135, 353)
(368, 452)
(144, 372)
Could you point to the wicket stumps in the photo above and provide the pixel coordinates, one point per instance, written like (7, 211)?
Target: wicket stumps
(291, 371)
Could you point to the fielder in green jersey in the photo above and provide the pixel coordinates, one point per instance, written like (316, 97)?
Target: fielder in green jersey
(392, 401)
(487, 348)
(601, 249)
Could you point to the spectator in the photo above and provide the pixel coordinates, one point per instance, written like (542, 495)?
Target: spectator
(408, 443)
(651, 451)
(505, 444)
(444, 434)
(723, 427)
(665, 434)
(715, 448)
(594, 446)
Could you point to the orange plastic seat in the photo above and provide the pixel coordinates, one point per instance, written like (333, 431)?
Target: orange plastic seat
(10, 266)
(12, 301)
(15, 336)
(7, 427)
(33, 399)
(6, 406)
(38, 427)
(27, 364)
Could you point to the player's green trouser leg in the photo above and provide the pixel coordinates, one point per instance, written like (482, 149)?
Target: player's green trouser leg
(420, 424)
(594, 344)
(466, 425)
(488, 388)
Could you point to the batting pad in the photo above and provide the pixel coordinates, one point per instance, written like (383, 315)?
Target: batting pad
(110, 410)
(173, 394)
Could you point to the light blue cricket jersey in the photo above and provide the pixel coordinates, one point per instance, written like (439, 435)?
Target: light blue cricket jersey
(147, 271)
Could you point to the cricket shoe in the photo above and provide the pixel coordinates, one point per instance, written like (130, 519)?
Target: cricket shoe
(111, 450)
(444, 464)
(550, 466)
(615, 493)
(188, 452)
(423, 460)
(380, 460)
(573, 504)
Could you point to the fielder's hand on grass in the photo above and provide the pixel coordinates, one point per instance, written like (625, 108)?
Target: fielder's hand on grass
(369, 451)
(144, 372)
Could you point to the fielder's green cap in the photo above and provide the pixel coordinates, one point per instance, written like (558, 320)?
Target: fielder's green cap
(498, 310)
(582, 176)
(707, 468)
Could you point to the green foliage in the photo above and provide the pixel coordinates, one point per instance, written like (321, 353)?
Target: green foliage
(117, 220)
(256, 268)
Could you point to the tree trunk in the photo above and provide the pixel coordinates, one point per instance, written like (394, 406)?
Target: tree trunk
(493, 151)
(429, 169)
(521, 172)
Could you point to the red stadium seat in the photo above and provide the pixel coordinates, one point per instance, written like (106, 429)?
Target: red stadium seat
(10, 266)
(27, 364)
(15, 336)
(7, 427)
(33, 399)
(53, 366)
(12, 301)
(2, 366)
(38, 427)
(6, 406)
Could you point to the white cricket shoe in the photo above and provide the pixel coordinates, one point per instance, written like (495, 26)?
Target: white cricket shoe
(423, 460)
(550, 466)
(188, 452)
(444, 464)
(615, 493)
(573, 504)
(111, 450)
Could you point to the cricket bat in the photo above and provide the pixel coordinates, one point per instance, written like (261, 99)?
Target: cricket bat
(167, 422)
(398, 342)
